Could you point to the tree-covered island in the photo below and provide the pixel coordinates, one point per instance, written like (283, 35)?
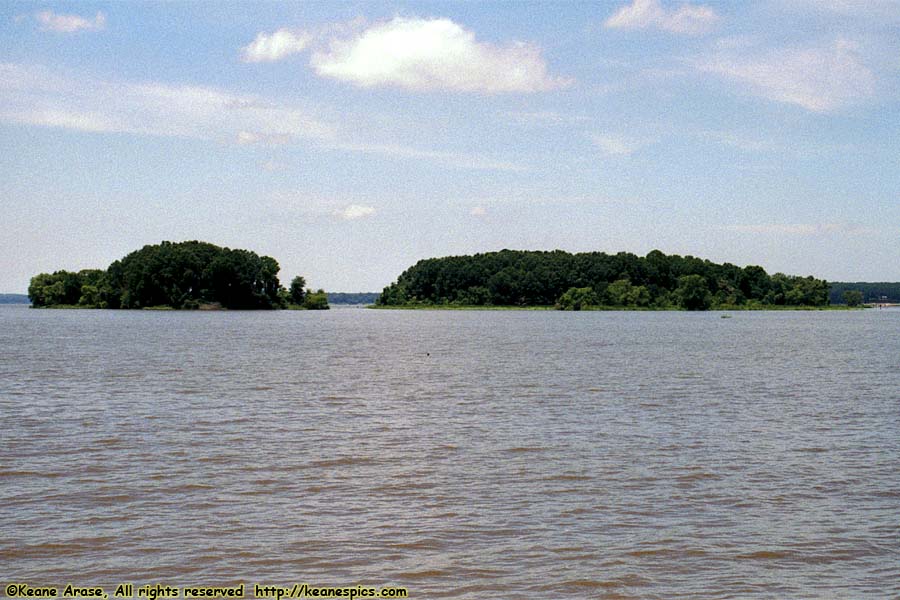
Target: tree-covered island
(182, 275)
(597, 280)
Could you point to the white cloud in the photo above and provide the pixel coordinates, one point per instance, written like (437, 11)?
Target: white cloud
(38, 96)
(478, 211)
(688, 19)
(433, 54)
(521, 198)
(250, 138)
(272, 166)
(878, 11)
(544, 117)
(51, 21)
(452, 159)
(32, 95)
(817, 79)
(615, 145)
(801, 229)
(741, 142)
(354, 211)
(270, 47)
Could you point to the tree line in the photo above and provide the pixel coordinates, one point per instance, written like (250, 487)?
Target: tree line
(352, 297)
(182, 275)
(575, 281)
(862, 292)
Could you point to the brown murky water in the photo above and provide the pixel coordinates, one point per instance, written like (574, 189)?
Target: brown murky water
(457, 454)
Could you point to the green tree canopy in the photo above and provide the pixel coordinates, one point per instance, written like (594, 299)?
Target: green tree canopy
(871, 291)
(853, 297)
(298, 285)
(317, 300)
(577, 298)
(693, 293)
(526, 278)
(180, 275)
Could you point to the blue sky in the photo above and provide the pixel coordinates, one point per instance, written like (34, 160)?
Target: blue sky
(349, 140)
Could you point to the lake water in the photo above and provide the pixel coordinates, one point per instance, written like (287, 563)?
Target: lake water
(456, 454)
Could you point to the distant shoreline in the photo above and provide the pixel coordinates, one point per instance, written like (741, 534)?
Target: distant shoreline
(14, 299)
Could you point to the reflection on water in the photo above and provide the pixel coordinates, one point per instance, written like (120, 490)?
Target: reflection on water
(458, 454)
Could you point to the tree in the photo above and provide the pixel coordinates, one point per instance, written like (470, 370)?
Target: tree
(806, 291)
(577, 298)
(90, 296)
(513, 277)
(180, 275)
(60, 287)
(618, 291)
(693, 292)
(317, 300)
(622, 293)
(188, 273)
(890, 292)
(853, 297)
(298, 284)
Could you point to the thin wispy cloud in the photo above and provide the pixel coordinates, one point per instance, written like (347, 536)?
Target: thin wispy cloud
(544, 117)
(801, 229)
(740, 141)
(430, 55)
(616, 145)
(252, 138)
(451, 159)
(687, 19)
(45, 97)
(880, 11)
(354, 211)
(270, 47)
(823, 79)
(60, 23)
(272, 166)
(772, 145)
(39, 96)
(520, 198)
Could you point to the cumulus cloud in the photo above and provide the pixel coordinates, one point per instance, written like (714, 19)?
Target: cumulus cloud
(688, 19)
(51, 21)
(354, 211)
(433, 54)
(817, 79)
(270, 47)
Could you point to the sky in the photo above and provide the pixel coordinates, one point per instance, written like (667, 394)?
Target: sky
(350, 140)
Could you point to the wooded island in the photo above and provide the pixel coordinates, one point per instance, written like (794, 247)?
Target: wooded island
(183, 275)
(596, 280)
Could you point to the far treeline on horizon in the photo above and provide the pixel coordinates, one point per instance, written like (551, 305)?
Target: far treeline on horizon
(196, 275)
